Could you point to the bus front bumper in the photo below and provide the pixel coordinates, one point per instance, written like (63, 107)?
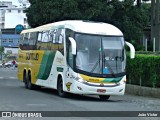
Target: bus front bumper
(97, 89)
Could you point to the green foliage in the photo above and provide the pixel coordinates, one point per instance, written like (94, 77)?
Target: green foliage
(47, 11)
(144, 70)
(1, 49)
(137, 46)
(123, 14)
(148, 52)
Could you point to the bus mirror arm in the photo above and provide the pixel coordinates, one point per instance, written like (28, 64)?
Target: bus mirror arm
(73, 45)
(132, 50)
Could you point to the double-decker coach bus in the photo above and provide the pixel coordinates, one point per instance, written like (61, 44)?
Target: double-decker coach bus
(74, 56)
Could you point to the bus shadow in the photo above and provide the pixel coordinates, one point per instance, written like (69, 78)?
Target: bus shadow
(76, 97)
(94, 98)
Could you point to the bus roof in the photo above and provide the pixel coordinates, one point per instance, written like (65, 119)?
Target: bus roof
(82, 27)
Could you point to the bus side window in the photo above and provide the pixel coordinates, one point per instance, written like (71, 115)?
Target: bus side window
(50, 38)
(39, 39)
(32, 41)
(59, 36)
(57, 40)
(54, 36)
(69, 53)
(60, 39)
(69, 56)
(21, 41)
(25, 41)
(46, 43)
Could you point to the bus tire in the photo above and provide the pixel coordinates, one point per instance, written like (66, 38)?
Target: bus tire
(25, 80)
(29, 84)
(104, 97)
(61, 93)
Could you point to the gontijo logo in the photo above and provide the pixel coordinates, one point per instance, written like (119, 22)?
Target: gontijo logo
(32, 56)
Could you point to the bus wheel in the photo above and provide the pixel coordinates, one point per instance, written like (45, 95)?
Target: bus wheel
(29, 84)
(25, 80)
(61, 93)
(104, 97)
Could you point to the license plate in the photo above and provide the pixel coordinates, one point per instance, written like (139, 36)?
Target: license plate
(101, 90)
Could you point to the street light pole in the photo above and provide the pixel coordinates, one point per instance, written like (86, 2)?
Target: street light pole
(0, 37)
(1, 42)
(155, 26)
(138, 3)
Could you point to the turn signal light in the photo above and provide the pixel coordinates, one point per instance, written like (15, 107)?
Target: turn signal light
(125, 80)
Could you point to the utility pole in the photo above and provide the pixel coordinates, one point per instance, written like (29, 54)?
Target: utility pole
(138, 3)
(155, 26)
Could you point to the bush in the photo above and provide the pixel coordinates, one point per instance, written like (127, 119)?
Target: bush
(144, 70)
(148, 52)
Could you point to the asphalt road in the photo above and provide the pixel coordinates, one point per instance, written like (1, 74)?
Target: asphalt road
(14, 97)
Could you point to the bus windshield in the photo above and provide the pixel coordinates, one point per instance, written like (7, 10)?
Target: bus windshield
(100, 54)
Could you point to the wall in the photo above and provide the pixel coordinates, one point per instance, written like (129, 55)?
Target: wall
(15, 38)
(14, 50)
(13, 19)
(142, 91)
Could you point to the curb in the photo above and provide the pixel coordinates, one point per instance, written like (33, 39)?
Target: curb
(142, 91)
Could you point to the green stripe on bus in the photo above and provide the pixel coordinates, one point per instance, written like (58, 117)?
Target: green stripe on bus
(46, 65)
(111, 80)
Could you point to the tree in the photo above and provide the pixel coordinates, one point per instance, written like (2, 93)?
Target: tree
(57, 10)
(123, 14)
(1, 49)
(53, 10)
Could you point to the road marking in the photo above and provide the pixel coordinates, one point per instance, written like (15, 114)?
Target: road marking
(12, 77)
(36, 105)
(8, 78)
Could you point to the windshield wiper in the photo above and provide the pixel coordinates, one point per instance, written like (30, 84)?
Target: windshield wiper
(98, 61)
(94, 67)
(108, 66)
(103, 63)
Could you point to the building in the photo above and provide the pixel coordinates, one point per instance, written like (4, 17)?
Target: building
(4, 4)
(10, 15)
(15, 16)
(24, 3)
(10, 40)
(12, 50)
(12, 20)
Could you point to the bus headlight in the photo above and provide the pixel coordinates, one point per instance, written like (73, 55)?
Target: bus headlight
(125, 80)
(82, 81)
(79, 79)
(122, 82)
